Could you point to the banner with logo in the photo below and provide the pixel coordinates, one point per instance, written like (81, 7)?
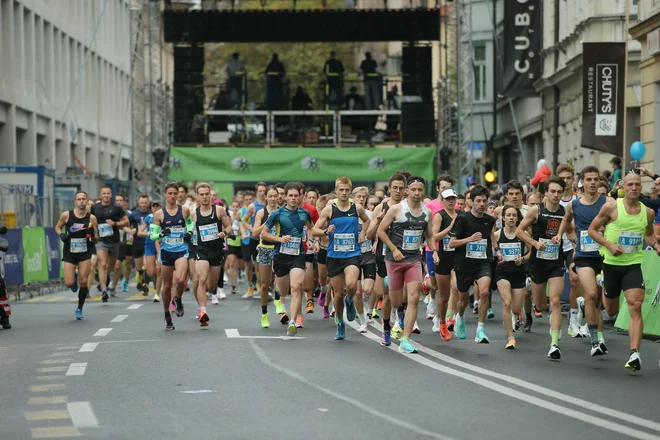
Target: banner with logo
(523, 20)
(603, 69)
(651, 304)
(53, 253)
(301, 164)
(35, 259)
(12, 261)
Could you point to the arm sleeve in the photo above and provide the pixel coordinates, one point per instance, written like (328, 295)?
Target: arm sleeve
(154, 232)
(190, 225)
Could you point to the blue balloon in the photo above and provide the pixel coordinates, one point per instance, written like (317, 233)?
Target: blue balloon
(637, 150)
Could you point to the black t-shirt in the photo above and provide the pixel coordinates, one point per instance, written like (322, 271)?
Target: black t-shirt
(473, 255)
(108, 234)
(368, 66)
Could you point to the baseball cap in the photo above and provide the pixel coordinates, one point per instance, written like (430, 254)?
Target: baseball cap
(449, 192)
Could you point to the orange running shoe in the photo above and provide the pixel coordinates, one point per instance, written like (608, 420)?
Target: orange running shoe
(511, 345)
(310, 306)
(204, 320)
(444, 333)
(299, 322)
(379, 306)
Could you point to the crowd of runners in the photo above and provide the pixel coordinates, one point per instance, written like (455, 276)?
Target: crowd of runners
(364, 255)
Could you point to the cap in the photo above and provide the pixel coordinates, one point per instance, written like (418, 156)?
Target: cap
(448, 193)
(492, 203)
(156, 202)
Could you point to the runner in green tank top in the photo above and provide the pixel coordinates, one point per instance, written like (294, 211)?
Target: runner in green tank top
(628, 223)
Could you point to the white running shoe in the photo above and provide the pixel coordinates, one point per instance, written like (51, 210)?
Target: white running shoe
(584, 331)
(436, 325)
(581, 320)
(416, 328)
(220, 293)
(431, 308)
(214, 299)
(363, 328)
(574, 330)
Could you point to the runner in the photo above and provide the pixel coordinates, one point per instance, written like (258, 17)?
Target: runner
(368, 265)
(546, 262)
(151, 252)
(110, 217)
(234, 253)
(289, 260)
(473, 238)
(344, 252)
(138, 248)
(308, 246)
(76, 229)
(402, 230)
(325, 296)
(123, 253)
(248, 246)
(628, 223)
(177, 226)
(249, 218)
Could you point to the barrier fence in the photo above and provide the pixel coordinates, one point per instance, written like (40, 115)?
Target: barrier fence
(34, 256)
(21, 209)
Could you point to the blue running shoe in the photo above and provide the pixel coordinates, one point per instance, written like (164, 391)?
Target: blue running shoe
(406, 347)
(386, 340)
(74, 288)
(79, 314)
(386, 281)
(350, 309)
(124, 287)
(340, 334)
(481, 337)
(491, 314)
(461, 333)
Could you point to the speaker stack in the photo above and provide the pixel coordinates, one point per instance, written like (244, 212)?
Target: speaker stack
(188, 91)
(417, 115)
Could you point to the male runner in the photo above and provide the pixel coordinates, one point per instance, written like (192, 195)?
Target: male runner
(628, 223)
(124, 253)
(368, 265)
(289, 260)
(402, 231)
(111, 218)
(248, 246)
(76, 229)
(344, 252)
(546, 262)
(177, 227)
(136, 218)
(308, 245)
(249, 217)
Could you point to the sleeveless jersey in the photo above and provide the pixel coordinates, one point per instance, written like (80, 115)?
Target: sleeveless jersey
(628, 232)
(78, 229)
(366, 248)
(257, 207)
(511, 248)
(273, 231)
(407, 233)
(584, 215)
(546, 227)
(177, 227)
(344, 240)
(208, 229)
(445, 250)
(380, 248)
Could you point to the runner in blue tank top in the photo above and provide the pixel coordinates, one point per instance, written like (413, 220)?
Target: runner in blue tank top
(344, 253)
(177, 227)
(588, 261)
(251, 246)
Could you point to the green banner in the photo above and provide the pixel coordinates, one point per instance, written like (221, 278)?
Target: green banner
(651, 304)
(298, 164)
(35, 263)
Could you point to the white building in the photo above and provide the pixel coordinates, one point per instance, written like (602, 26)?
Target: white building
(64, 85)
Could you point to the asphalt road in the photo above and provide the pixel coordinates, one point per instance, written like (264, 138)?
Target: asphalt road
(63, 378)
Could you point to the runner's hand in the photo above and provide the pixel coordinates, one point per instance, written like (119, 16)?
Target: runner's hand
(110, 222)
(539, 246)
(187, 237)
(615, 249)
(165, 232)
(397, 255)
(330, 230)
(361, 238)
(518, 261)
(286, 238)
(475, 237)
(436, 258)
(556, 239)
(317, 247)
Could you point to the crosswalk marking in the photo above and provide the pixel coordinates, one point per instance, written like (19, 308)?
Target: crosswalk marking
(55, 432)
(46, 388)
(52, 414)
(51, 369)
(51, 400)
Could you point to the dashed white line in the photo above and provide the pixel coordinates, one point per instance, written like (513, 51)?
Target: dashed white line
(103, 332)
(77, 369)
(88, 346)
(119, 318)
(135, 306)
(232, 333)
(82, 415)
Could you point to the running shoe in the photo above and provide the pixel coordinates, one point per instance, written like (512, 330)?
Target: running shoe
(537, 313)
(264, 320)
(299, 322)
(326, 313)
(291, 329)
(220, 292)
(386, 339)
(445, 334)
(581, 320)
(321, 300)
(379, 304)
(518, 322)
(400, 316)
(204, 319)
(104, 296)
(169, 326)
(554, 353)
(451, 322)
(475, 308)
(74, 288)
(234, 291)
(375, 314)
(350, 309)
(584, 331)
(406, 347)
(425, 288)
(198, 315)
(436, 325)
(511, 345)
(603, 347)
(284, 318)
(574, 330)
(340, 334)
(124, 287)
(634, 362)
(363, 328)
(460, 331)
(179, 307)
(481, 337)
(416, 329)
(397, 331)
(310, 306)
(79, 314)
(596, 350)
(279, 308)
(113, 293)
(214, 299)
(490, 314)
(156, 298)
(431, 309)
(172, 306)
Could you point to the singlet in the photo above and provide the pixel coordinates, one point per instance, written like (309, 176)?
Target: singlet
(208, 229)
(434, 206)
(78, 230)
(444, 250)
(290, 222)
(247, 231)
(177, 226)
(148, 242)
(236, 230)
(628, 232)
(135, 219)
(380, 248)
(257, 207)
(366, 248)
(584, 215)
(566, 243)
(407, 233)
(511, 248)
(344, 240)
(273, 231)
(546, 227)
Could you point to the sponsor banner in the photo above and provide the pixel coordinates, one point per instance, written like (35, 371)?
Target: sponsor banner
(12, 261)
(523, 20)
(603, 96)
(53, 252)
(303, 164)
(651, 304)
(35, 258)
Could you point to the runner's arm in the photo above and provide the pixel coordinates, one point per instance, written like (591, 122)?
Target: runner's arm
(123, 222)
(566, 221)
(249, 212)
(61, 222)
(384, 225)
(319, 229)
(95, 225)
(525, 224)
(430, 239)
(649, 234)
(601, 219)
(258, 227)
(273, 218)
(142, 230)
(366, 221)
(373, 225)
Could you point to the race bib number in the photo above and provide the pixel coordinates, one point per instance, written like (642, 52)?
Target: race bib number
(292, 247)
(477, 249)
(208, 232)
(629, 241)
(365, 246)
(587, 244)
(105, 230)
(551, 251)
(445, 244)
(78, 245)
(412, 239)
(510, 251)
(344, 242)
(176, 236)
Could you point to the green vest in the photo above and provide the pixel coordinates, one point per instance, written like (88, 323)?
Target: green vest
(628, 232)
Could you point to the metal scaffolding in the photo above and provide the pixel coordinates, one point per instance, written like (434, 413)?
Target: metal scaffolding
(447, 92)
(464, 80)
(138, 120)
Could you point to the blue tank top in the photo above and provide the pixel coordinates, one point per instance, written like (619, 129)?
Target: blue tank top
(344, 240)
(584, 215)
(177, 226)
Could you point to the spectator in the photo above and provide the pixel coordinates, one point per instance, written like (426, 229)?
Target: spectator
(353, 101)
(653, 201)
(371, 82)
(616, 170)
(301, 100)
(543, 173)
(334, 72)
(274, 79)
(235, 73)
(393, 99)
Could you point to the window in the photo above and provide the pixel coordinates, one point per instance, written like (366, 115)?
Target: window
(480, 72)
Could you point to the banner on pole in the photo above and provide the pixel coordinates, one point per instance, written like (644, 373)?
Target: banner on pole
(523, 20)
(651, 304)
(603, 76)
(53, 247)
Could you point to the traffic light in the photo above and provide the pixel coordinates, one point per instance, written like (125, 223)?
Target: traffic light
(490, 175)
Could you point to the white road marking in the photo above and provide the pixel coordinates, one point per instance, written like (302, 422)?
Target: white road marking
(135, 306)
(132, 340)
(77, 369)
(234, 334)
(88, 346)
(197, 392)
(82, 415)
(119, 318)
(103, 332)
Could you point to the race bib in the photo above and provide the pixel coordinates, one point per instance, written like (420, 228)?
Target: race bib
(193, 239)
(412, 239)
(551, 251)
(477, 249)
(630, 241)
(445, 244)
(105, 230)
(587, 244)
(208, 232)
(176, 236)
(344, 242)
(292, 247)
(78, 245)
(510, 251)
(365, 246)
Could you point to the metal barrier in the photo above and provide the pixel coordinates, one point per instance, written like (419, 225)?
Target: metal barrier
(22, 209)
